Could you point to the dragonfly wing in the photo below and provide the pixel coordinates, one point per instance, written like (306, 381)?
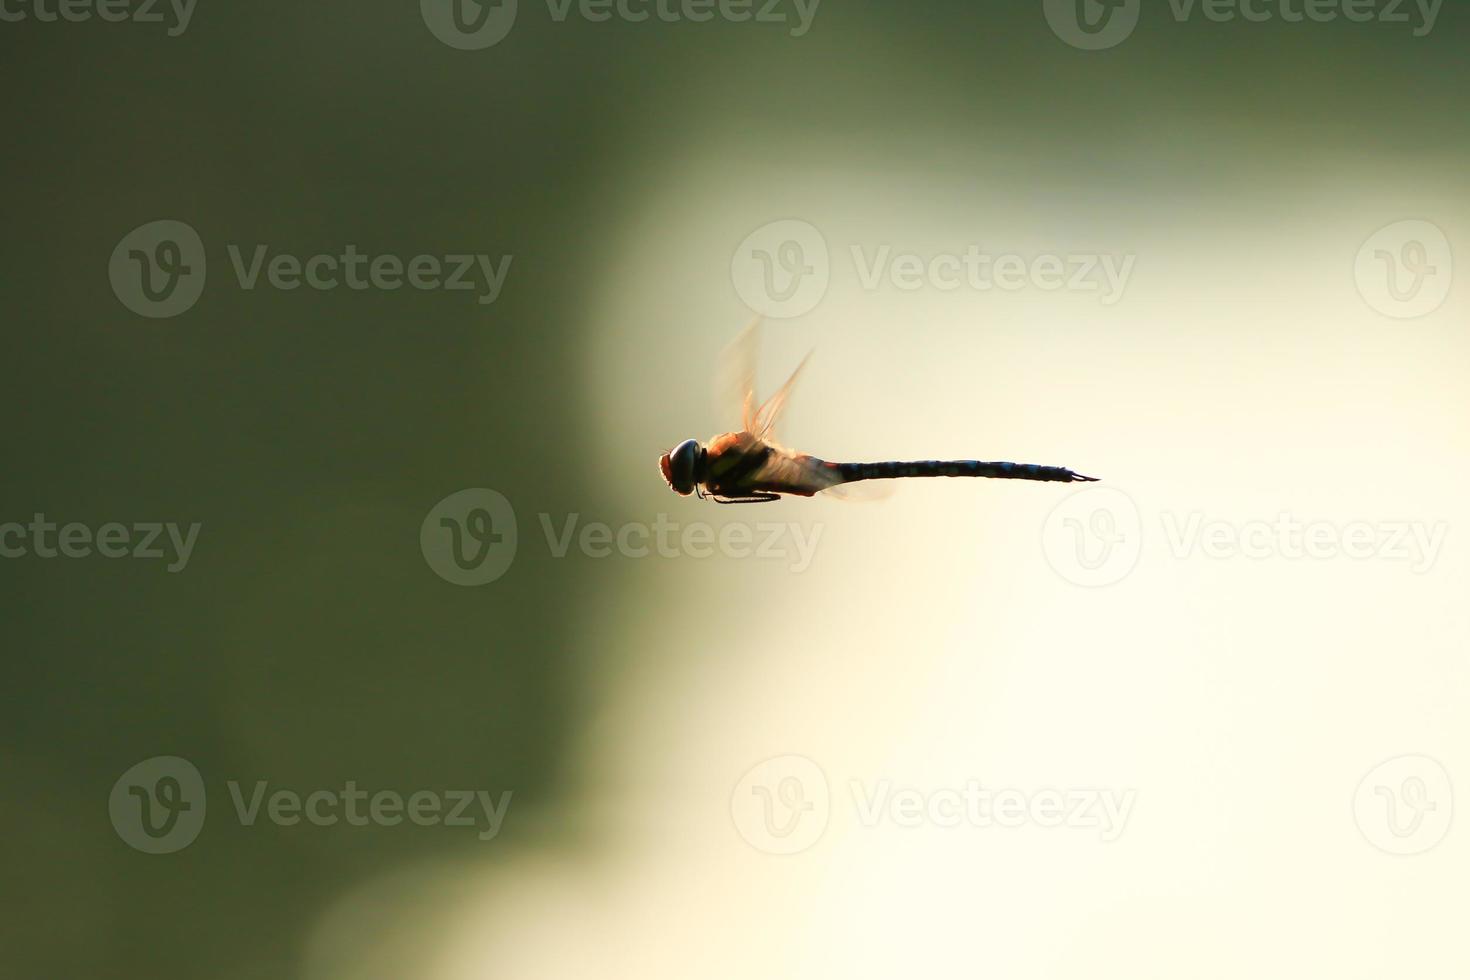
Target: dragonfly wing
(735, 382)
(788, 472)
(735, 387)
(864, 491)
(767, 415)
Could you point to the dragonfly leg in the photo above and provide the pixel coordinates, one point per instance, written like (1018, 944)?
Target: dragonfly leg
(753, 498)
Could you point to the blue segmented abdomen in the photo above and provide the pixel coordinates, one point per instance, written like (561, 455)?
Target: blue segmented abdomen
(852, 472)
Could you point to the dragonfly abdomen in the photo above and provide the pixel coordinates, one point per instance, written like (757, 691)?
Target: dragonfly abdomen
(852, 472)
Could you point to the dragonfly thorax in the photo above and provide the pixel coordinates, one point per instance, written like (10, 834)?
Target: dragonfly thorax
(683, 466)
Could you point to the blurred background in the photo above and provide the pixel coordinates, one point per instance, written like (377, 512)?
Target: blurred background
(690, 755)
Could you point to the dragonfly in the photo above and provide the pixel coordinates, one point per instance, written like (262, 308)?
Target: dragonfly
(749, 466)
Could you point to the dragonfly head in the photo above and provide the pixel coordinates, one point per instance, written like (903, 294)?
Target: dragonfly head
(681, 466)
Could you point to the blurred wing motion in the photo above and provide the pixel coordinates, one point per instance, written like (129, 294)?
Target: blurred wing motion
(736, 391)
(735, 383)
(862, 491)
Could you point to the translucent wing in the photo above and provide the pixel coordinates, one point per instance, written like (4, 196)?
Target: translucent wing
(735, 383)
(735, 390)
(796, 473)
(769, 412)
(866, 491)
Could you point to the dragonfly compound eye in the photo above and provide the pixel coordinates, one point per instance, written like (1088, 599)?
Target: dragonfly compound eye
(678, 466)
